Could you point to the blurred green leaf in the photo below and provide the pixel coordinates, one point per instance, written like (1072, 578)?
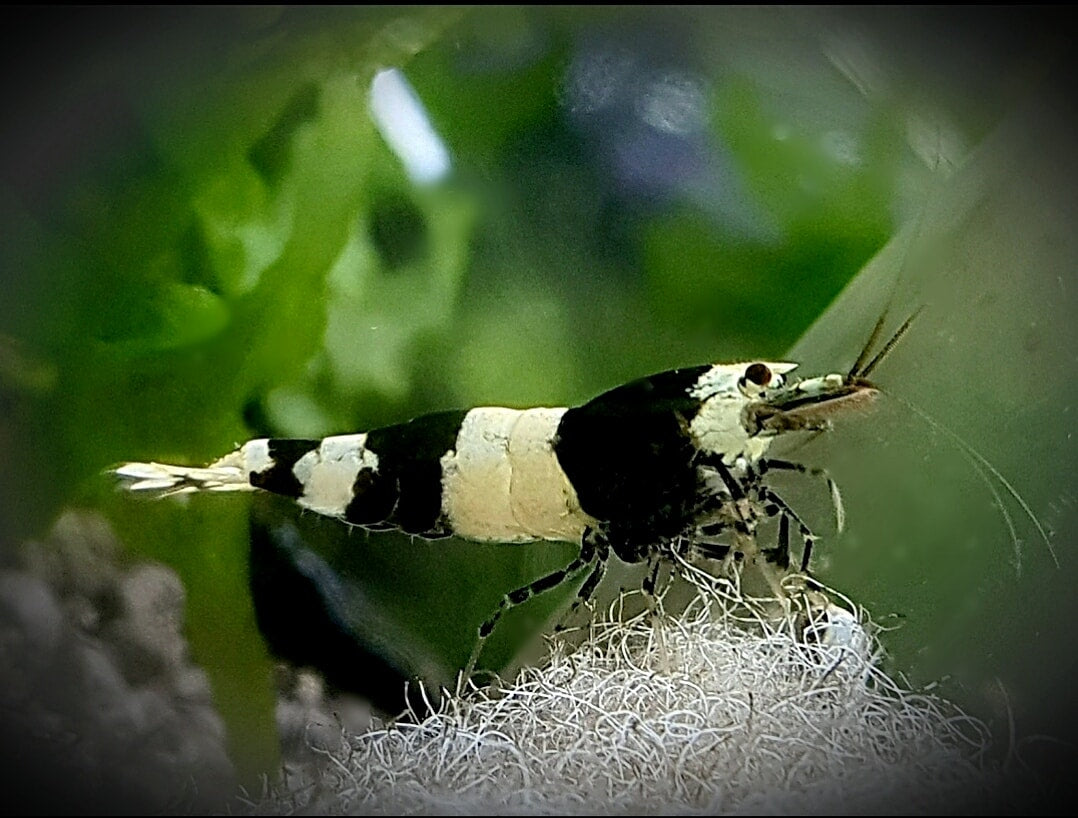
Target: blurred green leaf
(173, 316)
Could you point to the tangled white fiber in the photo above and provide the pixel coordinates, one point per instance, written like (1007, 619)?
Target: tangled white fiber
(724, 709)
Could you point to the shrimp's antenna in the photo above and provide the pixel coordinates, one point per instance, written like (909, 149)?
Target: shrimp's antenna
(855, 370)
(859, 370)
(981, 464)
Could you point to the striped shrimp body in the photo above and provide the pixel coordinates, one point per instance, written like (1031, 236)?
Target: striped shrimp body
(670, 465)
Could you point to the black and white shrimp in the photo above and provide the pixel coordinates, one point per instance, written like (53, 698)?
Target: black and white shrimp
(670, 464)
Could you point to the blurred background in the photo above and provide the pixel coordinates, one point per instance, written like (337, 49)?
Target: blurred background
(229, 223)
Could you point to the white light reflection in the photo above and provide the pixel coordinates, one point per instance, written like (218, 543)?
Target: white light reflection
(597, 80)
(402, 121)
(674, 103)
(842, 147)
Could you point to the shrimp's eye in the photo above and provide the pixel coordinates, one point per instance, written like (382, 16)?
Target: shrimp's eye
(758, 374)
(755, 380)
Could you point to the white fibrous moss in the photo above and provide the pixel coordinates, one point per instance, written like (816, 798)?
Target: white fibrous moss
(722, 709)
